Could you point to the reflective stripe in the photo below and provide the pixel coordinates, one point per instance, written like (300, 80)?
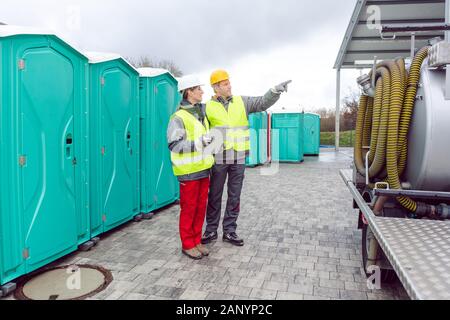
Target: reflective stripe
(240, 139)
(232, 128)
(238, 136)
(240, 128)
(189, 159)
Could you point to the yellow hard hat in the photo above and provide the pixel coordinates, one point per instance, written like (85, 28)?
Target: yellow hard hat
(219, 75)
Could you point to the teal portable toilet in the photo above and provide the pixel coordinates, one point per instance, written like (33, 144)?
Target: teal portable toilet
(254, 120)
(114, 141)
(287, 137)
(312, 134)
(159, 99)
(269, 137)
(258, 123)
(262, 143)
(43, 159)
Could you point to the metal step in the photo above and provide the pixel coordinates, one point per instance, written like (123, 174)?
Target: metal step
(96, 240)
(86, 246)
(147, 216)
(7, 289)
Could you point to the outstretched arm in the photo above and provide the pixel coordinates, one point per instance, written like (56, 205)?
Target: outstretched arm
(258, 104)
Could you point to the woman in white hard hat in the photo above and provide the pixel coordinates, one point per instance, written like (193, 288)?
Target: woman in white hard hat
(187, 136)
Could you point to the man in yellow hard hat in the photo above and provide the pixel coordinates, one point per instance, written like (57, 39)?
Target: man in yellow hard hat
(228, 115)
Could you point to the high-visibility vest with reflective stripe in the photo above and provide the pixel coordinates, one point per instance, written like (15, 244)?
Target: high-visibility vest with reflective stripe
(233, 123)
(191, 162)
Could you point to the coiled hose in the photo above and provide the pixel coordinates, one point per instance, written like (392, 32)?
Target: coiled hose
(383, 123)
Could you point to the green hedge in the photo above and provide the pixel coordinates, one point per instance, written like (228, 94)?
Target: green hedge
(346, 139)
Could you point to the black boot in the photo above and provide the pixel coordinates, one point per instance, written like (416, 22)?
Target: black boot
(233, 238)
(208, 237)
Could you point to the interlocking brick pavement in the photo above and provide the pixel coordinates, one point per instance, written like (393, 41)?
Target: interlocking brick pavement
(301, 242)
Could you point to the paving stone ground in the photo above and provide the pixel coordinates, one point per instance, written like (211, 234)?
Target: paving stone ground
(301, 243)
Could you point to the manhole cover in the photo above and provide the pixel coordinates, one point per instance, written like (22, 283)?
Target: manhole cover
(73, 282)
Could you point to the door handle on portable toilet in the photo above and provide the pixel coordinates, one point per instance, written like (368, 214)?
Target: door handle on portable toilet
(129, 143)
(69, 143)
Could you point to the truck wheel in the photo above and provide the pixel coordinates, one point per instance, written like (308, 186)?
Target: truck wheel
(387, 275)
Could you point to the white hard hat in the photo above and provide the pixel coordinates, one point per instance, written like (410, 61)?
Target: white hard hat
(189, 81)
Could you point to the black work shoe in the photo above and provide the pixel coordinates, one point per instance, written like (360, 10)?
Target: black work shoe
(208, 237)
(233, 239)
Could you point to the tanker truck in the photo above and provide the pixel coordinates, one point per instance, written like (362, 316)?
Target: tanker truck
(400, 177)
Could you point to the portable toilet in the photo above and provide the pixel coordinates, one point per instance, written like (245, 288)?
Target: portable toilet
(254, 120)
(287, 137)
(159, 99)
(312, 134)
(263, 150)
(43, 158)
(114, 141)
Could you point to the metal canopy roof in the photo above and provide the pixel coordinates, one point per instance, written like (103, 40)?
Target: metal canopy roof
(363, 41)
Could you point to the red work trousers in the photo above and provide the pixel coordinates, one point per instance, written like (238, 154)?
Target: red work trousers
(193, 202)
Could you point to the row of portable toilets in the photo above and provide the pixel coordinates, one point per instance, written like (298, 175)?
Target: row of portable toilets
(283, 137)
(84, 148)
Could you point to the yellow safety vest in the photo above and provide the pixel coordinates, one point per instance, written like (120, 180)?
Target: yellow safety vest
(233, 123)
(191, 162)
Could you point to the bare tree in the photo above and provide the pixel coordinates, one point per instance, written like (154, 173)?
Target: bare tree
(327, 116)
(171, 66)
(349, 113)
(144, 61)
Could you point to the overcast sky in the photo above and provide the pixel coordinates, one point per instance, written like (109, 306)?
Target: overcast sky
(260, 42)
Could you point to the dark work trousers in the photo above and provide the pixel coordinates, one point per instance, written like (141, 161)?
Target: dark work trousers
(219, 174)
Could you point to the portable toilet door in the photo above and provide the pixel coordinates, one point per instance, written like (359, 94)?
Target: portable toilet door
(43, 129)
(114, 141)
(254, 120)
(312, 134)
(262, 143)
(159, 99)
(287, 137)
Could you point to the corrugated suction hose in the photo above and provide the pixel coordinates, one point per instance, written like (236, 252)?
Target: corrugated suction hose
(383, 123)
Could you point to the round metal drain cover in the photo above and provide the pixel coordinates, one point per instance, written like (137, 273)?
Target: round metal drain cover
(73, 282)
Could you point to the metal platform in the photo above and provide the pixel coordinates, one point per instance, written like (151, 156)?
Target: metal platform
(418, 250)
